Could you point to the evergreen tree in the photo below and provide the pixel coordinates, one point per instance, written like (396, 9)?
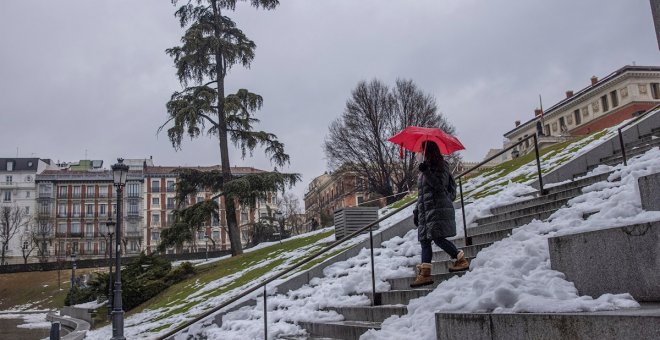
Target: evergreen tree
(211, 45)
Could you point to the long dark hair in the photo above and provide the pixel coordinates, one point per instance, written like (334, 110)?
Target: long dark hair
(432, 155)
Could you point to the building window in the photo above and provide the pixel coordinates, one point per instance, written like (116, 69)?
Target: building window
(655, 91)
(62, 192)
(155, 219)
(585, 112)
(45, 190)
(89, 229)
(133, 190)
(10, 166)
(90, 191)
(61, 210)
(155, 185)
(170, 186)
(216, 234)
(27, 210)
(27, 194)
(200, 199)
(604, 103)
(76, 192)
(103, 210)
(89, 210)
(88, 247)
(200, 235)
(170, 203)
(102, 247)
(8, 179)
(103, 191)
(133, 207)
(577, 117)
(546, 130)
(614, 98)
(155, 201)
(61, 227)
(75, 228)
(76, 210)
(155, 236)
(7, 196)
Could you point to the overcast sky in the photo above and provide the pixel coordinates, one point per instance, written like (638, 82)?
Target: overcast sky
(91, 77)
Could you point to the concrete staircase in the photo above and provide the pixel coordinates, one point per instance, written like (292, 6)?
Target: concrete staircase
(638, 147)
(616, 260)
(505, 218)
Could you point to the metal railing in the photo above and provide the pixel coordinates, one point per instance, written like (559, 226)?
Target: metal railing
(468, 239)
(623, 148)
(375, 300)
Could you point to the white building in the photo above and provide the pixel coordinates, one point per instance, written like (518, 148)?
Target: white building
(18, 191)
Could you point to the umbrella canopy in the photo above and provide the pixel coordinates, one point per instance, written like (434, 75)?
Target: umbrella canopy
(412, 137)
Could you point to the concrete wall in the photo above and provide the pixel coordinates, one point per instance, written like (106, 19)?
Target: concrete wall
(86, 314)
(581, 164)
(80, 327)
(649, 191)
(616, 260)
(524, 326)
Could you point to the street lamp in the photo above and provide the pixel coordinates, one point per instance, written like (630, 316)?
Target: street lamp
(119, 173)
(110, 230)
(73, 267)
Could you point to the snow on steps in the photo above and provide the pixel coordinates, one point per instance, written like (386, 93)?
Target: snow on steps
(624, 259)
(482, 237)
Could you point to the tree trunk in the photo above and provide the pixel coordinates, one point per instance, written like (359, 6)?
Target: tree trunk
(230, 209)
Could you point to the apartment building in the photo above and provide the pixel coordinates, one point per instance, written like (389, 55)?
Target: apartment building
(18, 191)
(621, 95)
(79, 203)
(160, 202)
(330, 192)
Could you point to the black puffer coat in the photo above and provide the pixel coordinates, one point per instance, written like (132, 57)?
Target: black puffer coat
(434, 214)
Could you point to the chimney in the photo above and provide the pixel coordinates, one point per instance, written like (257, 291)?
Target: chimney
(517, 123)
(537, 112)
(594, 80)
(569, 94)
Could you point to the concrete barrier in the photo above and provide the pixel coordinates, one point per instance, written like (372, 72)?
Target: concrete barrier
(616, 260)
(79, 327)
(649, 191)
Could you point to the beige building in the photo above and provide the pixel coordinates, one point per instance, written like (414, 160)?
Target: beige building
(621, 95)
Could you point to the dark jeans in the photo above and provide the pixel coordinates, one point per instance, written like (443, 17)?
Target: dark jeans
(447, 246)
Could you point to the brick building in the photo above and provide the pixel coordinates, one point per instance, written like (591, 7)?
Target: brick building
(160, 202)
(79, 203)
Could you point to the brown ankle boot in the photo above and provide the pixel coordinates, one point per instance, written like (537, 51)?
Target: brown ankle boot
(423, 275)
(460, 264)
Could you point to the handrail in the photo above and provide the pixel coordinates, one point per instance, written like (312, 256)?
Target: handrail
(468, 240)
(288, 270)
(623, 149)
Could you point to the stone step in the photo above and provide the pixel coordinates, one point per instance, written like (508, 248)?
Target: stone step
(403, 283)
(470, 251)
(539, 207)
(509, 223)
(399, 297)
(492, 236)
(617, 159)
(570, 189)
(347, 330)
(369, 313)
(622, 324)
(570, 193)
(442, 267)
(624, 259)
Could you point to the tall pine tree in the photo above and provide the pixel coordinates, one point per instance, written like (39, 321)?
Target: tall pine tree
(211, 45)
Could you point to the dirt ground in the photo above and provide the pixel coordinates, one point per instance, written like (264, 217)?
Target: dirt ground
(36, 290)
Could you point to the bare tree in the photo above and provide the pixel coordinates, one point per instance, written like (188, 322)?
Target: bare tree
(357, 141)
(12, 220)
(41, 237)
(289, 205)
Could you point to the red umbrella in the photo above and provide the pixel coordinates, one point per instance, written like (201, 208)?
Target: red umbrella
(412, 137)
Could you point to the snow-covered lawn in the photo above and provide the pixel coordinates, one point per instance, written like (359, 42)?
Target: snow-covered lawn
(31, 320)
(512, 275)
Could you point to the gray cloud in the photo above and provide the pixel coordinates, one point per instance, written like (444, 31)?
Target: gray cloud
(83, 75)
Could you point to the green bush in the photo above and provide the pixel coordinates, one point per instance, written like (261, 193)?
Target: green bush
(180, 273)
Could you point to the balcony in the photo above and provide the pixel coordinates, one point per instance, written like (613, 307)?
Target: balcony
(76, 234)
(48, 194)
(133, 234)
(90, 215)
(62, 215)
(133, 195)
(76, 196)
(62, 195)
(8, 185)
(103, 195)
(155, 189)
(76, 214)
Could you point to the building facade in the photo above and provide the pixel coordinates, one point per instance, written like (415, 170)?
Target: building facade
(604, 103)
(76, 205)
(18, 191)
(330, 192)
(160, 202)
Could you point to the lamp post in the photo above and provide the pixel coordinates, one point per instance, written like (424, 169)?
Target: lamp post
(110, 229)
(119, 173)
(206, 245)
(73, 267)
